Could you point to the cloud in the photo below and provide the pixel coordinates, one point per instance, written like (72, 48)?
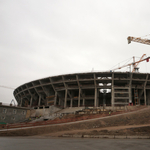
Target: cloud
(45, 38)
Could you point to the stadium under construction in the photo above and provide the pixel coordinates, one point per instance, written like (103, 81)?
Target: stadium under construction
(92, 89)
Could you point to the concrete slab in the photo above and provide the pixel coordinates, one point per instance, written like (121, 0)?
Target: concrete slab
(138, 137)
(99, 136)
(86, 136)
(107, 136)
(120, 137)
(77, 136)
(94, 136)
(132, 137)
(143, 137)
(67, 135)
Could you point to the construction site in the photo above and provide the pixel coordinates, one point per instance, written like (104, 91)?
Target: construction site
(111, 103)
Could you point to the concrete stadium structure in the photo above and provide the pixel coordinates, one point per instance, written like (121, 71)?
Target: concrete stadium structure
(86, 89)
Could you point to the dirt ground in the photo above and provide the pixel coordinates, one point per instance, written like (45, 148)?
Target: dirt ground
(132, 123)
(137, 123)
(119, 130)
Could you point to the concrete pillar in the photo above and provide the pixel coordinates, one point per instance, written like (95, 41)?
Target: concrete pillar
(139, 96)
(71, 102)
(112, 91)
(130, 94)
(83, 103)
(144, 96)
(39, 101)
(145, 89)
(98, 98)
(79, 98)
(130, 89)
(21, 102)
(148, 98)
(55, 98)
(65, 103)
(95, 100)
(59, 101)
(31, 102)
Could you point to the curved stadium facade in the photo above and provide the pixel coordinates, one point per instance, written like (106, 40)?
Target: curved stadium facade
(86, 89)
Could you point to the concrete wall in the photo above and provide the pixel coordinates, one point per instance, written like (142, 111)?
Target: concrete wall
(11, 114)
(45, 111)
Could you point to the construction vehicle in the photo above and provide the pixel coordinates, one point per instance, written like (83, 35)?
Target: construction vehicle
(134, 64)
(138, 39)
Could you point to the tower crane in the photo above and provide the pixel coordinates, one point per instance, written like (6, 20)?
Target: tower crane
(138, 39)
(135, 64)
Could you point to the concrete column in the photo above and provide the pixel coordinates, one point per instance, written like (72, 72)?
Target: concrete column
(112, 91)
(59, 101)
(79, 98)
(21, 102)
(31, 102)
(65, 103)
(95, 100)
(144, 96)
(98, 98)
(71, 102)
(130, 94)
(130, 89)
(83, 103)
(55, 98)
(39, 101)
(139, 97)
(148, 97)
(145, 89)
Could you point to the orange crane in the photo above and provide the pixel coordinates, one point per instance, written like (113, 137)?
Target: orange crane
(134, 64)
(138, 39)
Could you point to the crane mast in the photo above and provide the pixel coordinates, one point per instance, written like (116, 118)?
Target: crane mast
(136, 64)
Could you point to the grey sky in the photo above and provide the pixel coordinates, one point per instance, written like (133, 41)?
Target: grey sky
(40, 38)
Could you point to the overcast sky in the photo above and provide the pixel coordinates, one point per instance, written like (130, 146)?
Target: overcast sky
(41, 38)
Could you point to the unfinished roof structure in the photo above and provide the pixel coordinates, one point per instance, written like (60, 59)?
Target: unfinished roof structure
(86, 89)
